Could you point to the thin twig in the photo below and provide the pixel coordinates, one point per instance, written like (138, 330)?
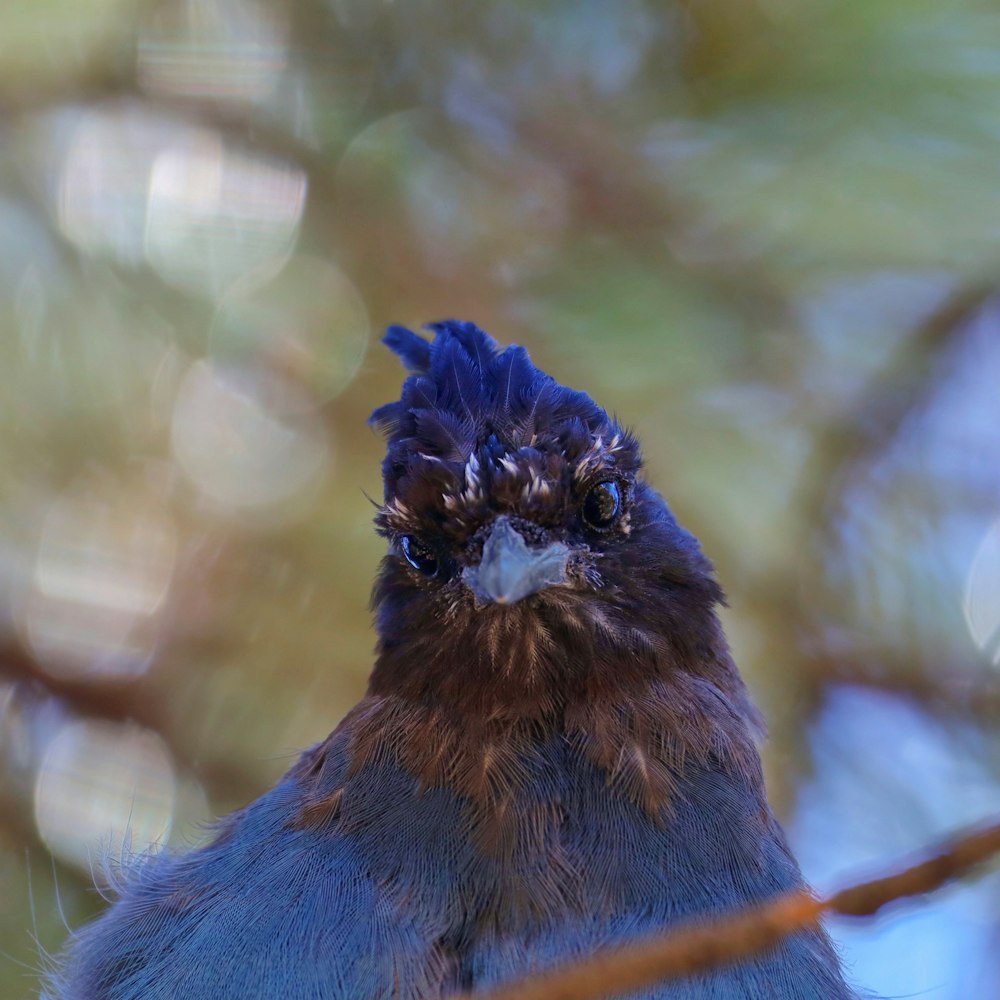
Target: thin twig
(693, 949)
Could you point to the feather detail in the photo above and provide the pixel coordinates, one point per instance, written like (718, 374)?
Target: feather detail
(411, 347)
(443, 433)
(479, 345)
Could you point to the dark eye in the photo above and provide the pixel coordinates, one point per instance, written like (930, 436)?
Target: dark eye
(419, 556)
(602, 505)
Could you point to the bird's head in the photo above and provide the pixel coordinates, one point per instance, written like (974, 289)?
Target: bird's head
(529, 562)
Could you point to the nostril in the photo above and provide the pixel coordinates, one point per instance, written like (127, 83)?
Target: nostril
(533, 535)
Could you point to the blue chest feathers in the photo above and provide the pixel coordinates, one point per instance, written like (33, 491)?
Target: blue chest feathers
(365, 886)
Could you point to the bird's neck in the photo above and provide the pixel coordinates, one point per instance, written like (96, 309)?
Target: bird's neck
(641, 737)
(509, 665)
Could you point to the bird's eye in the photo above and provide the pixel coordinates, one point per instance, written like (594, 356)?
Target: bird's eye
(602, 505)
(419, 556)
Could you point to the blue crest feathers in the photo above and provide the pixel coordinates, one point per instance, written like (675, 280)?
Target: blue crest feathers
(464, 388)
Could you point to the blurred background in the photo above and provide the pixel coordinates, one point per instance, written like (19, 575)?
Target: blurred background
(766, 234)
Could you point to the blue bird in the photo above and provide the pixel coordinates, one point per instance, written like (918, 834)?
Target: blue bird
(555, 752)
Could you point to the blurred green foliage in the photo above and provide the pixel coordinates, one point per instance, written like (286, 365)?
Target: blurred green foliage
(763, 233)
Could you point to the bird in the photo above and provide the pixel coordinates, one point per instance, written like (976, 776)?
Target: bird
(555, 752)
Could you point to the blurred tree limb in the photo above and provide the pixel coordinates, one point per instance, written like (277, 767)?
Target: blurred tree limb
(697, 948)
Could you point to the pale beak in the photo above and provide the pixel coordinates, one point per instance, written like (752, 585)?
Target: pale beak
(509, 570)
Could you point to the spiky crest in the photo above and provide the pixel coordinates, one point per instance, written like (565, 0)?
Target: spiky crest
(468, 404)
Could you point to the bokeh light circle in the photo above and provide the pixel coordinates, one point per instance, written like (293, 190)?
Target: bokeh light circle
(102, 573)
(308, 322)
(214, 215)
(982, 595)
(231, 51)
(104, 792)
(246, 440)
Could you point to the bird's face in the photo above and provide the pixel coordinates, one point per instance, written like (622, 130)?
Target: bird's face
(511, 525)
(524, 544)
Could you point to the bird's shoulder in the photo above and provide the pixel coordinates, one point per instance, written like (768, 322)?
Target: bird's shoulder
(286, 900)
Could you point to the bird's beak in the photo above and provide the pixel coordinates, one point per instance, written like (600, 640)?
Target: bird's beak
(509, 570)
